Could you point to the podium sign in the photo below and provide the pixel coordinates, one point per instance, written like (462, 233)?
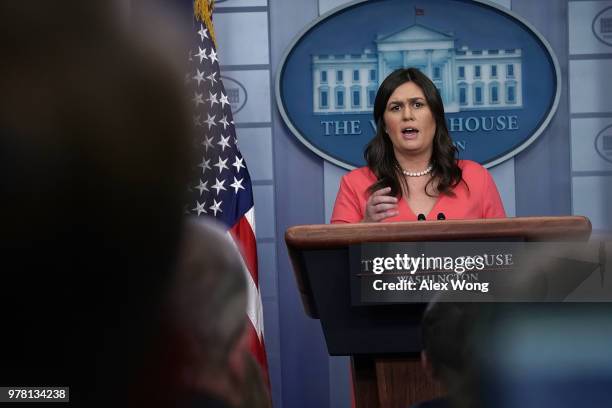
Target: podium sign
(416, 272)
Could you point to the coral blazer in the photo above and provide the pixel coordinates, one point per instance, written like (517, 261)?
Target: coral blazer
(481, 200)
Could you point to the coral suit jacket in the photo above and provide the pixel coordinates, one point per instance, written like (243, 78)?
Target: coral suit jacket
(481, 200)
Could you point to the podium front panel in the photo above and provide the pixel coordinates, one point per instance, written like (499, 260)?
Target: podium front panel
(351, 330)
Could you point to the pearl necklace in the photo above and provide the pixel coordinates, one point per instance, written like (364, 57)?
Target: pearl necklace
(418, 173)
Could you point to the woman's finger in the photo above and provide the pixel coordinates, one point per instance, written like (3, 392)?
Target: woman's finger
(384, 207)
(385, 214)
(382, 191)
(383, 199)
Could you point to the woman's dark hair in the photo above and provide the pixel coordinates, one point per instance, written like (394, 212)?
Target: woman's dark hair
(379, 153)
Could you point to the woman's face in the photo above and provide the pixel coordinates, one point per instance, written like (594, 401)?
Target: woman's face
(409, 122)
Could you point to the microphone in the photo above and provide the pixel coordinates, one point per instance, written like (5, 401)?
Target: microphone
(421, 217)
(441, 216)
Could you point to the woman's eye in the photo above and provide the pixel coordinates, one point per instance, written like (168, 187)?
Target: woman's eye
(395, 108)
(418, 104)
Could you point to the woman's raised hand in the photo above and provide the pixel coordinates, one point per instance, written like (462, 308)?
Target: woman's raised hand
(380, 205)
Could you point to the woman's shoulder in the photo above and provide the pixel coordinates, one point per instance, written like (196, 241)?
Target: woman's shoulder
(470, 165)
(471, 169)
(358, 180)
(361, 174)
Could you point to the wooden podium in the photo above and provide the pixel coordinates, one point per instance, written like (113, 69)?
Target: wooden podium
(384, 340)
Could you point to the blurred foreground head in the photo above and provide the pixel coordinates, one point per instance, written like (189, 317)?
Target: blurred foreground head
(451, 344)
(94, 137)
(208, 316)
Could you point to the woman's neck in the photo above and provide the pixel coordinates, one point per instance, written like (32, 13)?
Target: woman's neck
(414, 163)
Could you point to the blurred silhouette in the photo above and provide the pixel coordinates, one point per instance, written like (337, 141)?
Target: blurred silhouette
(208, 323)
(449, 347)
(528, 354)
(93, 157)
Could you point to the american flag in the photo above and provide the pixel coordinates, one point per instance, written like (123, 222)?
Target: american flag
(221, 186)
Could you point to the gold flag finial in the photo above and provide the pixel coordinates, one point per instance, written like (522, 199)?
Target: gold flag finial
(203, 10)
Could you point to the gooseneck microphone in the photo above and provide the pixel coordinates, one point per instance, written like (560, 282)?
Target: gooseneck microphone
(421, 217)
(441, 216)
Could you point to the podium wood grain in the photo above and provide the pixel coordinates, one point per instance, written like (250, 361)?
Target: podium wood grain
(391, 382)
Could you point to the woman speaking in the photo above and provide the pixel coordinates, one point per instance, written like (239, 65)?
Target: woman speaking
(412, 170)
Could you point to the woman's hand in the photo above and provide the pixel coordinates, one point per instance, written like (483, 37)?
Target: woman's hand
(380, 205)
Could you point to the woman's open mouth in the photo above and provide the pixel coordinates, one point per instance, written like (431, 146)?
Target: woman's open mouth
(410, 132)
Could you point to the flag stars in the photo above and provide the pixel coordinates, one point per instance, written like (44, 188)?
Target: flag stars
(237, 184)
(238, 164)
(224, 122)
(212, 56)
(212, 78)
(205, 165)
(202, 54)
(210, 121)
(197, 122)
(219, 185)
(221, 164)
(199, 76)
(212, 99)
(203, 186)
(203, 32)
(198, 98)
(224, 142)
(223, 100)
(216, 207)
(207, 143)
(200, 208)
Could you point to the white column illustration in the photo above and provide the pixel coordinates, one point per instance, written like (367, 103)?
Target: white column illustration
(429, 65)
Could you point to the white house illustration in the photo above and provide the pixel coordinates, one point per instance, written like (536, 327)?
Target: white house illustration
(467, 79)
